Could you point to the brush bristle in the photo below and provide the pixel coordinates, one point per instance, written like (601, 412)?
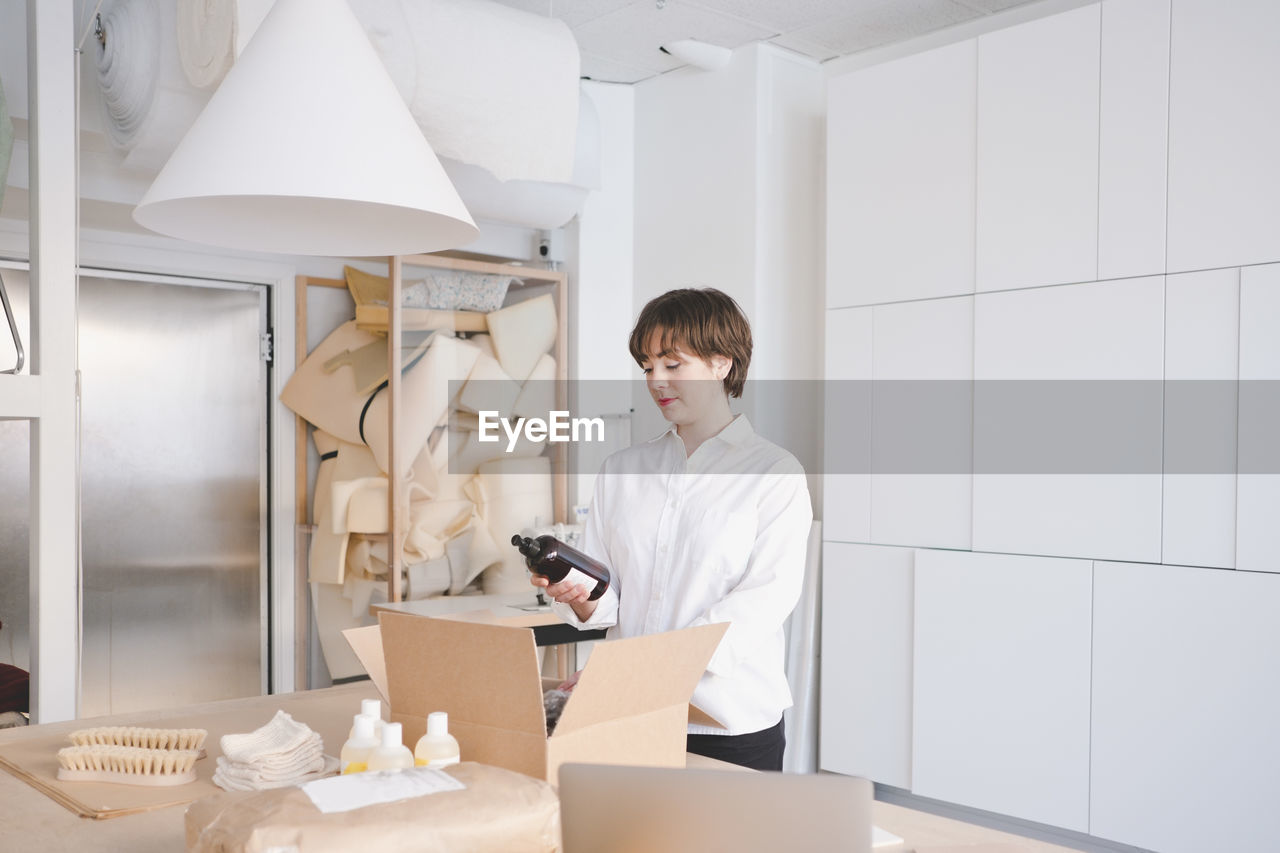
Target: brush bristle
(142, 738)
(131, 760)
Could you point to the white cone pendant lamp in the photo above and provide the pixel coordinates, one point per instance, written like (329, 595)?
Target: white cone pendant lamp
(307, 148)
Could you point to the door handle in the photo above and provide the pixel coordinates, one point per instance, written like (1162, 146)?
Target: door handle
(13, 330)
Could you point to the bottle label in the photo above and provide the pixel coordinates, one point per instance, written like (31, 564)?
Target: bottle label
(580, 578)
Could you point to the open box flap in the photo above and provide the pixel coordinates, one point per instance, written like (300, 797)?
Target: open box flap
(366, 642)
(699, 717)
(639, 675)
(484, 675)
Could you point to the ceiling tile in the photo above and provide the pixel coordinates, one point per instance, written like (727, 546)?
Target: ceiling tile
(632, 35)
(572, 12)
(993, 5)
(783, 17)
(537, 7)
(608, 71)
(804, 46)
(577, 12)
(884, 22)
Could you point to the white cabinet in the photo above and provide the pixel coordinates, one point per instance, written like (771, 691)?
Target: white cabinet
(866, 662)
(1001, 684)
(1185, 701)
(846, 483)
(1037, 179)
(900, 167)
(1133, 137)
(1202, 312)
(1067, 460)
(1224, 132)
(922, 417)
(1258, 481)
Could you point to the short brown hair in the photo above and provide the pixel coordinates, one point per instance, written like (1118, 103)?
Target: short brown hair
(704, 322)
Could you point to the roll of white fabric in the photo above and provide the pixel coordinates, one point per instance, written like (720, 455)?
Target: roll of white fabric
(206, 40)
(150, 105)
(212, 33)
(472, 70)
(128, 64)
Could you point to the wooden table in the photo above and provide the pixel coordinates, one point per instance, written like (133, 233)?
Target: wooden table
(29, 820)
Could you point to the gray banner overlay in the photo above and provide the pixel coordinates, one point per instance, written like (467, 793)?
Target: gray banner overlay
(913, 427)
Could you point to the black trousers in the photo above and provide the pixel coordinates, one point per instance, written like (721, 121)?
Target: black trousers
(760, 750)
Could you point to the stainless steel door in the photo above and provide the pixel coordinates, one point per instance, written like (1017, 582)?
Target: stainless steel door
(15, 493)
(173, 474)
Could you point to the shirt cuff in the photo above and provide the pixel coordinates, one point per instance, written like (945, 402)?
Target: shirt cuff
(605, 615)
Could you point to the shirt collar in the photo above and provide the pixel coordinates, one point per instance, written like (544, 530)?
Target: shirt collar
(738, 432)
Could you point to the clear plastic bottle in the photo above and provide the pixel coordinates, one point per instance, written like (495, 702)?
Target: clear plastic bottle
(437, 748)
(355, 752)
(372, 707)
(391, 753)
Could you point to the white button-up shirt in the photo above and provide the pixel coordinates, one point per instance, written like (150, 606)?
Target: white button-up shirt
(718, 536)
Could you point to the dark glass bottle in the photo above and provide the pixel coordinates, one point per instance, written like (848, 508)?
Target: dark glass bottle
(556, 561)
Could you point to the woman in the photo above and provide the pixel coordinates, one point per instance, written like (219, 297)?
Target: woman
(707, 523)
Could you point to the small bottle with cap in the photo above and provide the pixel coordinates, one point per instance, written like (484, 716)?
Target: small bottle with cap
(372, 708)
(354, 757)
(437, 748)
(391, 753)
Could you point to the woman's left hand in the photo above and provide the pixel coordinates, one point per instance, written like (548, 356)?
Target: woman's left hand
(577, 596)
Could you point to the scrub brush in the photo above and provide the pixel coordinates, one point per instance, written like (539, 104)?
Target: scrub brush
(141, 737)
(127, 765)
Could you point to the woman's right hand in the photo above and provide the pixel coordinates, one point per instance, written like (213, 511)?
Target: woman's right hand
(576, 596)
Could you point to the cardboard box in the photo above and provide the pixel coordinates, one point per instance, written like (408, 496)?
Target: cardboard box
(631, 704)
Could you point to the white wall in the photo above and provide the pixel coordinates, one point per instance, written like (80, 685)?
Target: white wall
(601, 262)
(1125, 227)
(788, 327)
(728, 195)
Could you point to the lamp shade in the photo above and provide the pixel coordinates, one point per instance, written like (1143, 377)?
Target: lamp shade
(307, 148)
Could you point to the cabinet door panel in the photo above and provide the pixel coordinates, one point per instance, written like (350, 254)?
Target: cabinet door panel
(1258, 483)
(900, 141)
(922, 424)
(1185, 699)
(1133, 137)
(1037, 179)
(1202, 313)
(846, 483)
(1067, 460)
(1001, 684)
(1224, 131)
(866, 662)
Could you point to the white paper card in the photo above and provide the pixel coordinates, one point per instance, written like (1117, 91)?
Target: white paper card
(357, 790)
(883, 838)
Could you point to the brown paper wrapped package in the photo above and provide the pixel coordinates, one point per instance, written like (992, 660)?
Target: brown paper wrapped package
(499, 812)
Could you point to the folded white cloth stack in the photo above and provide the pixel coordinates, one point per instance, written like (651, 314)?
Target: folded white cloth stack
(283, 752)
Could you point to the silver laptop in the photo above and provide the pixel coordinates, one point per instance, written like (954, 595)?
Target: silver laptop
(611, 809)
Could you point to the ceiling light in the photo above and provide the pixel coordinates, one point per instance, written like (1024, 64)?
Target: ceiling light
(307, 148)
